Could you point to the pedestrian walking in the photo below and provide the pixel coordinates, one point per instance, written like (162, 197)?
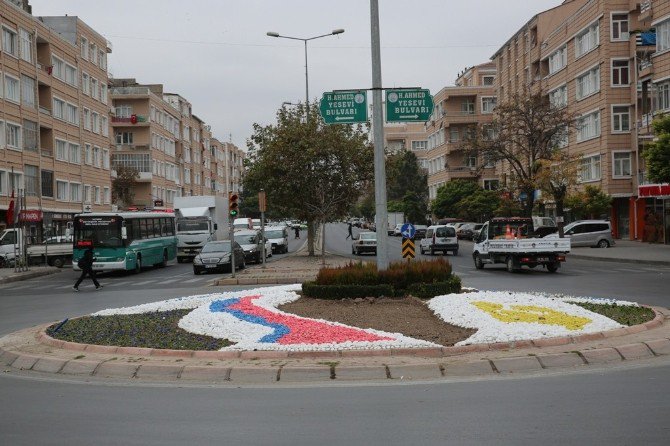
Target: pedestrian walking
(351, 234)
(86, 265)
(297, 231)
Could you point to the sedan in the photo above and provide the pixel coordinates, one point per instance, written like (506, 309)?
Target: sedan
(216, 256)
(364, 242)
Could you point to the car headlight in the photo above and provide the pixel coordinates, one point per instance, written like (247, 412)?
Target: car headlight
(225, 259)
(197, 260)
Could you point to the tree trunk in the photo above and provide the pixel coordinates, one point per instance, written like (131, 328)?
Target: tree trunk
(311, 225)
(529, 203)
(559, 213)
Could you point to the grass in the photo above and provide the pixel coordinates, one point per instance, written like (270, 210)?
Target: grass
(623, 314)
(149, 330)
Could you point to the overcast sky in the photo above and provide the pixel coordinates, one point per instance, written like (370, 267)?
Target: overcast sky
(216, 54)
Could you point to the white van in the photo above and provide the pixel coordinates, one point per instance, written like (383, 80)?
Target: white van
(242, 223)
(439, 238)
(278, 236)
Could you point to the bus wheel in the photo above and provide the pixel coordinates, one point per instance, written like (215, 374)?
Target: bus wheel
(138, 265)
(163, 264)
(58, 262)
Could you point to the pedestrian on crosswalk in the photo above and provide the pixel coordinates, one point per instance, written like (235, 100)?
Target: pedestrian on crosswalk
(86, 265)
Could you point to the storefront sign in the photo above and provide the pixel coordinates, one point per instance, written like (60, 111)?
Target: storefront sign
(30, 216)
(654, 190)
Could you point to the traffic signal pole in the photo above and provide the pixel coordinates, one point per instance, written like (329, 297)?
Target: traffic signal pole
(233, 207)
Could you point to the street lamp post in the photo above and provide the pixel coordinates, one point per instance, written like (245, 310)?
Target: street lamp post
(333, 33)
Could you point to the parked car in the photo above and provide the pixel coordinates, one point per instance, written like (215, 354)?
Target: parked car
(250, 240)
(461, 225)
(420, 231)
(278, 236)
(242, 223)
(215, 256)
(364, 242)
(439, 238)
(595, 233)
(469, 230)
(256, 223)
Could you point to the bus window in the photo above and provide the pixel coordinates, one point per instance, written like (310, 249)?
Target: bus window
(143, 229)
(157, 227)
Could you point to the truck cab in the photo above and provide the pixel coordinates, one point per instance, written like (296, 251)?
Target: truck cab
(200, 219)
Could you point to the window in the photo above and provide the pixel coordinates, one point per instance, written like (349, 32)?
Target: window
(97, 194)
(560, 138)
(103, 93)
(84, 48)
(93, 52)
(31, 181)
(58, 70)
(96, 156)
(187, 176)
(620, 73)
(454, 135)
(588, 126)
(621, 162)
(3, 183)
(587, 40)
(103, 60)
(663, 96)
(13, 136)
(488, 104)
(85, 84)
(663, 36)
(26, 44)
(87, 193)
(88, 153)
(75, 153)
(94, 88)
(70, 75)
(95, 122)
(124, 137)
(47, 177)
(620, 118)
(72, 114)
(123, 111)
(105, 159)
(59, 108)
(488, 80)
(559, 97)
(590, 168)
(471, 161)
(61, 150)
(105, 126)
(9, 43)
(588, 83)
(30, 142)
(61, 190)
(468, 107)
(12, 92)
(620, 27)
(87, 119)
(75, 192)
(557, 60)
(139, 161)
(491, 184)
(28, 91)
(107, 195)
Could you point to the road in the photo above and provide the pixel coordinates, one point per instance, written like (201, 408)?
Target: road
(623, 405)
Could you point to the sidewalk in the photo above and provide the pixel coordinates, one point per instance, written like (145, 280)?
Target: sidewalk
(8, 275)
(626, 251)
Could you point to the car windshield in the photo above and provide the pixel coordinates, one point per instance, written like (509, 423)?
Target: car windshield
(274, 234)
(216, 247)
(245, 239)
(368, 236)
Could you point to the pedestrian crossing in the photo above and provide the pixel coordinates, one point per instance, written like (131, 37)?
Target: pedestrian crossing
(175, 281)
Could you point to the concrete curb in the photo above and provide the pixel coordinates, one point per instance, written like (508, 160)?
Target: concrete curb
(615, 260)
(27, 275)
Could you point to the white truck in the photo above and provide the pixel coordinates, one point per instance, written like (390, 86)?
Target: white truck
(394, 219)
(511, 241)
(55, 251)
(199, 220)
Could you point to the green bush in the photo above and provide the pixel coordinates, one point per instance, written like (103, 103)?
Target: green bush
(430, 290)
(354, 273)
(311, 289)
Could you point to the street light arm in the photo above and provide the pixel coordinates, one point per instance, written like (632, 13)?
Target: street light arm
(332, 33)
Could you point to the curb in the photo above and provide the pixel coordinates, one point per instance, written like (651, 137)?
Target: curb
(615, 260)
(27, 275)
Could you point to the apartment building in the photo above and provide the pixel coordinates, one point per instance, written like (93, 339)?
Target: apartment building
(54, 118)
(588, 55)
(411, 136)
(458, 109)
(230, 167)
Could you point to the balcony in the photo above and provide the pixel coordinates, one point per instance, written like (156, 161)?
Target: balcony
(644, 125)
(140, 120)
(145, 177)
(133, 147)
(461, 172)
(130, 91)
(645, 68)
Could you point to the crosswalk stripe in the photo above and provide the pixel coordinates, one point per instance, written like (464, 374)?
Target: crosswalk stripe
(197, 279)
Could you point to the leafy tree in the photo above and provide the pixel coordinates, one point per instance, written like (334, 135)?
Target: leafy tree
(556, 177)
(122, 186)
(444, 204)
(524, 131)
(657, 153)
(479, 206)
(592, 202)
(407, 186)
(508, 207)
(309, 170)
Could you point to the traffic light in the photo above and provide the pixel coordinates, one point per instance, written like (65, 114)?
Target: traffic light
(233, 206)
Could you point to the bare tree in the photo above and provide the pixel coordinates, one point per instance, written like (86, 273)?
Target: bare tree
(122, 185)
(557, 177)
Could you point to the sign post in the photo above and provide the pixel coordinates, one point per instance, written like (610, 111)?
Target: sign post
(344, 107)
(262, 205)
(408, 105)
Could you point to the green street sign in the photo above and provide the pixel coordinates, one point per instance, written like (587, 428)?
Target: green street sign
(344, 107)
(414, 105)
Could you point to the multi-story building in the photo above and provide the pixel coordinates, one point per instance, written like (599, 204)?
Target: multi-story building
(407, 136)
(583, 55)
(458, 109)
(228, 166)
(54, 118)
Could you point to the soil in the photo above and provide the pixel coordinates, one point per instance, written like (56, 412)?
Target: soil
(409, 316)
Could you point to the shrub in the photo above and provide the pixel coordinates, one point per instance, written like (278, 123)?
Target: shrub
(430, 290)
(355, 273)
(341, 291)
(402, 274)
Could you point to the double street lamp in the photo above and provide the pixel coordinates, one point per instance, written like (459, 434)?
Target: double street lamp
(333, 33)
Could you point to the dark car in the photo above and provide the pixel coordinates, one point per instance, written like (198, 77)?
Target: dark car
(250, 240)
(469, 230)
(216, 256)
(420, 231)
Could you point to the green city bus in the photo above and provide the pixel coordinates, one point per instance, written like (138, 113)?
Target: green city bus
(125, 241)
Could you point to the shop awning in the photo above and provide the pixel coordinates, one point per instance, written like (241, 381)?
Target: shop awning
(654, 191)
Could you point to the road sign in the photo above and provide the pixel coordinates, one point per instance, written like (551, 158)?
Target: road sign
(415, 105)
(408, 230)
(407, 248)
(344, 107)
(262, 201)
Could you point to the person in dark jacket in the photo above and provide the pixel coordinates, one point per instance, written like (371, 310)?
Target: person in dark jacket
(86, 265)
(351, 234)
(297, 231)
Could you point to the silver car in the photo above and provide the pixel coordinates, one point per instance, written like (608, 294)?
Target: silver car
(595, 233)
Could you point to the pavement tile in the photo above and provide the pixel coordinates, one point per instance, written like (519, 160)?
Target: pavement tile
(161, 352)
(659, 346)
(634, 351)
(205, 373)
(462, 349)
(328, 354)
(601, 355)
(551, 342)
(264, 354)
(517, 364)
(134, 351)
(75, 346)
(360, 373)
(159, 371)
(79, 367)
(115, 369)
(474, 368)
(365, 353)
(230, 354)
(254, 375)
(415, 371)
(560, 360)
(100, 349)
(304, 374)
(49, 365)
(6, 358)
(589, 337)
(419, 352)
(615, 333)
(636, 329)
(25, 362)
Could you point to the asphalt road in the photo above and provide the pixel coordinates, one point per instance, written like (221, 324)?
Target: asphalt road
(624, 405)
